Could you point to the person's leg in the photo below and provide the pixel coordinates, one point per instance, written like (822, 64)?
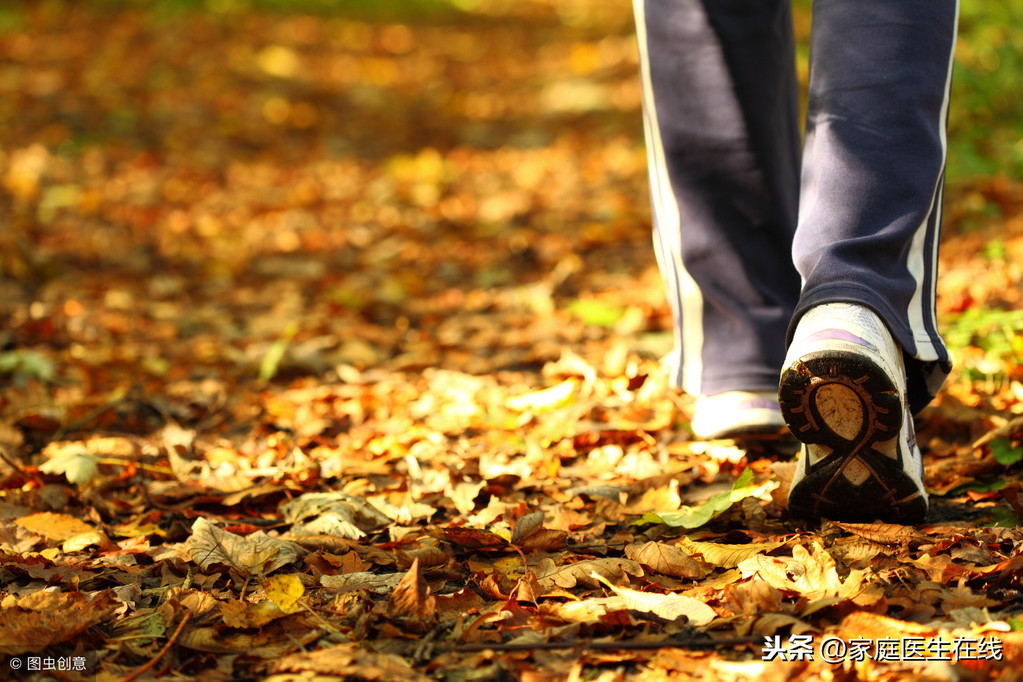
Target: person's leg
(873, 167)
(720, 112)
(865, 351)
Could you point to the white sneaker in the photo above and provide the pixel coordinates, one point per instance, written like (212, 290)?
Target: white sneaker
(738, 415)
(843, 394)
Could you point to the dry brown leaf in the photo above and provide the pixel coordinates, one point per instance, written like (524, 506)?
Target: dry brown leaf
(616, 571)
(882, 533)
(526, 526)
(43, 619)
(17, 539)
(411, 598)
(240, 614)
(352, 661)
(428, 556)
(464, 601)
(752, 597)
(256, 554)
(876, 626)
(544, 540)
(333, 513)
(770, 623)
(364, 580)
(469, 538)
(268, 643)
(666, 559)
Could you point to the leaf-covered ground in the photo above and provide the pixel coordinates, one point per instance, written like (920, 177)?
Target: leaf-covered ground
(330, 349)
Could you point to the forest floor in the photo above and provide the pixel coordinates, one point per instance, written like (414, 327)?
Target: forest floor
(330, 349)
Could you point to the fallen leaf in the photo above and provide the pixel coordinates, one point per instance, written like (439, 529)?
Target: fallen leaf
(882, 533)
(43, 619)
(726, 556)
(78, 466)
(256, 554)
(284, 591)
(336, 514)
(243, 615)
(666, 559)
(701, 514)
(667, 606)
(351, 661)
(545, 399)
(526, 526)
(568, 576)
(350, 582)
(411, 598)
(54, 526)
(469, 538)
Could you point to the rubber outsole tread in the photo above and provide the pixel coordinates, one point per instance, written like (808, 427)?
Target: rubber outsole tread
(889, 492)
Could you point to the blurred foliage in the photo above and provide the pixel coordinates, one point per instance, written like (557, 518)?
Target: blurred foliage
(985, 119)
(985, 123)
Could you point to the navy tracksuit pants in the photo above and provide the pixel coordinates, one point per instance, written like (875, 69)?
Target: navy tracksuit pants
(751, 228)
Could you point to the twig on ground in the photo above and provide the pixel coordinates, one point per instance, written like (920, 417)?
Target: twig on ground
(14, 465)
(142, 669)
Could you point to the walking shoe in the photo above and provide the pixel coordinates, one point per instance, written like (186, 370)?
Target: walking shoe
(738, 415)
(843, 394)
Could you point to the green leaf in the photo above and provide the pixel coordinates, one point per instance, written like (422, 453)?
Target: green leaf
(596, 313)
(27, 363)
(1004, 452)
(699, 515)
(1004, 517)
(1015, 623)
(272, 360)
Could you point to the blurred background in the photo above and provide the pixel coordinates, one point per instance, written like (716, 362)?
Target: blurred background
(227, 191)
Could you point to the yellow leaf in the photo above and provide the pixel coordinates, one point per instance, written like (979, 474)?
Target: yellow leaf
(82, 540)
(285, 591)
(667, 606)
(54, 526)
(545, 399)
(239, 614)
(726, 556)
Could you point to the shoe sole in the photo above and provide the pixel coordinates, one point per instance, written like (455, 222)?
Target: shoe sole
(848, 404)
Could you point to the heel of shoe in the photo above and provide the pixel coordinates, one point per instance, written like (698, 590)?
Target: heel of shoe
(842, 406)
